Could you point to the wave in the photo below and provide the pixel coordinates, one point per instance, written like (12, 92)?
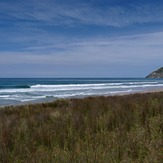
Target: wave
(140, 82)
(21, 98)
(22, 86)
(90, 85)
(90, 94)
(55, 86)
(14, 86)
(74, 87)
(17, 92)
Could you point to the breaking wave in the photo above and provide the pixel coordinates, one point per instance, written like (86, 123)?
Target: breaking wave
(30, 92)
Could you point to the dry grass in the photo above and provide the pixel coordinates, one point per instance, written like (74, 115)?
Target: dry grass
(95, 129)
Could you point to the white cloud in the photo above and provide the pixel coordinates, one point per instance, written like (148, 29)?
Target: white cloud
(136, 49)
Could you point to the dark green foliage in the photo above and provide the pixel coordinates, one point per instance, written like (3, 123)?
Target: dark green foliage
(95, 129)
(160, 70)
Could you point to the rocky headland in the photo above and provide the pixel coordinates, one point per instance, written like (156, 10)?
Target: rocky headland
(156, 74)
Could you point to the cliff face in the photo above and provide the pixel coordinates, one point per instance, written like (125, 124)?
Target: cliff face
(156, 74)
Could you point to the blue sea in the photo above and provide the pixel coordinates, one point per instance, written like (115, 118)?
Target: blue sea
(29, 90)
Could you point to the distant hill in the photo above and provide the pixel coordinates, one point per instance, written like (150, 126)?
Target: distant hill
(156, 74)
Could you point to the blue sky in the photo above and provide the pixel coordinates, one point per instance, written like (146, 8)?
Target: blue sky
(80, 38)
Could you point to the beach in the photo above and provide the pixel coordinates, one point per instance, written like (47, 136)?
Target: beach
(81, 81)
(20, 91)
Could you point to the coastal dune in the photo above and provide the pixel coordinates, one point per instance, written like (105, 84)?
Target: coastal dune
(125, 128)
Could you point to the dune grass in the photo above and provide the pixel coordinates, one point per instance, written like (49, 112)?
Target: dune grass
(95, 129)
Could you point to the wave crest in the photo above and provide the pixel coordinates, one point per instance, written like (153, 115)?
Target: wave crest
(13, 86)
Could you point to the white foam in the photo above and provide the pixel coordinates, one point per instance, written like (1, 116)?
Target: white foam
(71, 90)
(140, 83)
(15, 90)
(32, 99)
(78, 87)
(4, 96)
(92, 93)
(73, 85)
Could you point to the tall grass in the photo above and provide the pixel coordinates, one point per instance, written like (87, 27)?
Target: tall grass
(95, 129)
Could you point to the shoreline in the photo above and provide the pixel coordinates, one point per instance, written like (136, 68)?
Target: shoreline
(53, 99)
(49, 90)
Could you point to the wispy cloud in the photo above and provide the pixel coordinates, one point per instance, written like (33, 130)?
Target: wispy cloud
(58, 13)
(132, 49)
(28, 21)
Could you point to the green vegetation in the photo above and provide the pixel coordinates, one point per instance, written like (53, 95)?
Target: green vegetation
(95, 129)
(160, 70)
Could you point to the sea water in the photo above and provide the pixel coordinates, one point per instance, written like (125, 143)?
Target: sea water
(23, 90)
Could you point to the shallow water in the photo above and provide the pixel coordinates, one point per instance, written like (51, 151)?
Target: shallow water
(18, 91)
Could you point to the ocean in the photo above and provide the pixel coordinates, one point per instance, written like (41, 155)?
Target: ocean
(29, 90)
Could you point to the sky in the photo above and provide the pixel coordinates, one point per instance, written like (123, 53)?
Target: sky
(80, 38)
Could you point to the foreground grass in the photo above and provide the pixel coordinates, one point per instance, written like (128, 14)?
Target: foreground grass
(95, 129)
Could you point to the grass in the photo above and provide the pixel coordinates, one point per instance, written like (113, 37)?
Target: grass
(95, 129)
